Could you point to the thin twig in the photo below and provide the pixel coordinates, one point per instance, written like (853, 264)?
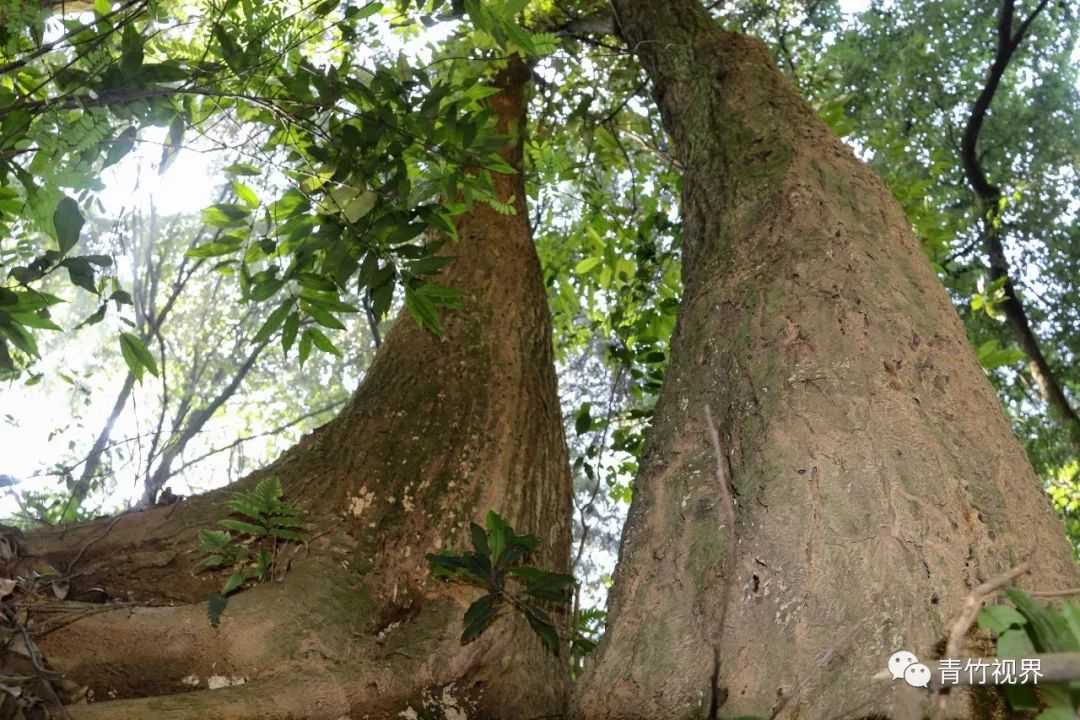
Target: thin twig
(91, 541)
(273, 431)
(1070, 592)
(72, 615)
(972, 604)
(31, 648)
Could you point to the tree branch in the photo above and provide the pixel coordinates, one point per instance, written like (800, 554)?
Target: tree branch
(274, 431)
(194, 425)
(989, 196)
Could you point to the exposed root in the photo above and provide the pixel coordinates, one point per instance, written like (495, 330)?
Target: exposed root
(293, 693)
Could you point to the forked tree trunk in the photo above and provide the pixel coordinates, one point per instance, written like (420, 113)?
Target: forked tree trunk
(440, 431)
(877, 479)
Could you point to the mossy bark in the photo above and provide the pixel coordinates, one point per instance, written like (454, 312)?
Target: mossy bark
(876, 478)
(441, 431)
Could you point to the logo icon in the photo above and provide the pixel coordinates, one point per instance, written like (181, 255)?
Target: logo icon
(899, 662)
(903, 664)
(917, 675)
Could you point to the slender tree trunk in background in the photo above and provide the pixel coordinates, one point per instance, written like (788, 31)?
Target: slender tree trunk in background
(1010, 34)
(876, 478)
(194, 424)
(441, 431)
(93, 458)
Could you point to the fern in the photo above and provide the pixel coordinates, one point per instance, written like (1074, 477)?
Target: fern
(249, 545)
(544, 43)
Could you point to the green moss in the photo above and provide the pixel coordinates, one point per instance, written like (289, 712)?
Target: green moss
(706, 550)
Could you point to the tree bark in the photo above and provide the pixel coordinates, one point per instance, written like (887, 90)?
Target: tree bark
(441, 431)
(876, 479)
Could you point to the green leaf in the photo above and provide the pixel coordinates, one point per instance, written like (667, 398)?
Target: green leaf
(477, 618)
(246, 194)
(215, 607)
(305, 347)
(274, 321)
(1015, 643)
(428, 265)
(359, 205)
(173, 143)
(445, 224)
(480, 607)
(423, 311)
(243, 527)
(68, 222)
(120, 146)
(34, 320)
(583, 420)
(321, 341)
(19, 337)
(214, 539)
(328, 301)
(289, 330)
(991, 355)
(14, 127)
(137, 356)
(479, 539)
(265, 288)
(478, 567)
(586, 265)
(445, 565)
(542, 626)
(233, 582)
(26, 300)
(513, 552)
(1048, 629)
(210, 561)
(131, 49)
(1022, 697)
(287, 535)
(1000, 618)
(499, 533)
(226, 215)
(80, 273)
(554, 587)
(263, 563)
(323, 317)
(1071, 615)
(230, 49)
(242, 169)
(382, 295)
(214, 249)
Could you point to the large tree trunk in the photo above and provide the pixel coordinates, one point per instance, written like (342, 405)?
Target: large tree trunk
(440, 431)
(876, 478)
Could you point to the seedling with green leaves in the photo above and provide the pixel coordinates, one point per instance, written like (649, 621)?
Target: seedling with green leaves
(494, 566)
(1033, 628)
(249, 545)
